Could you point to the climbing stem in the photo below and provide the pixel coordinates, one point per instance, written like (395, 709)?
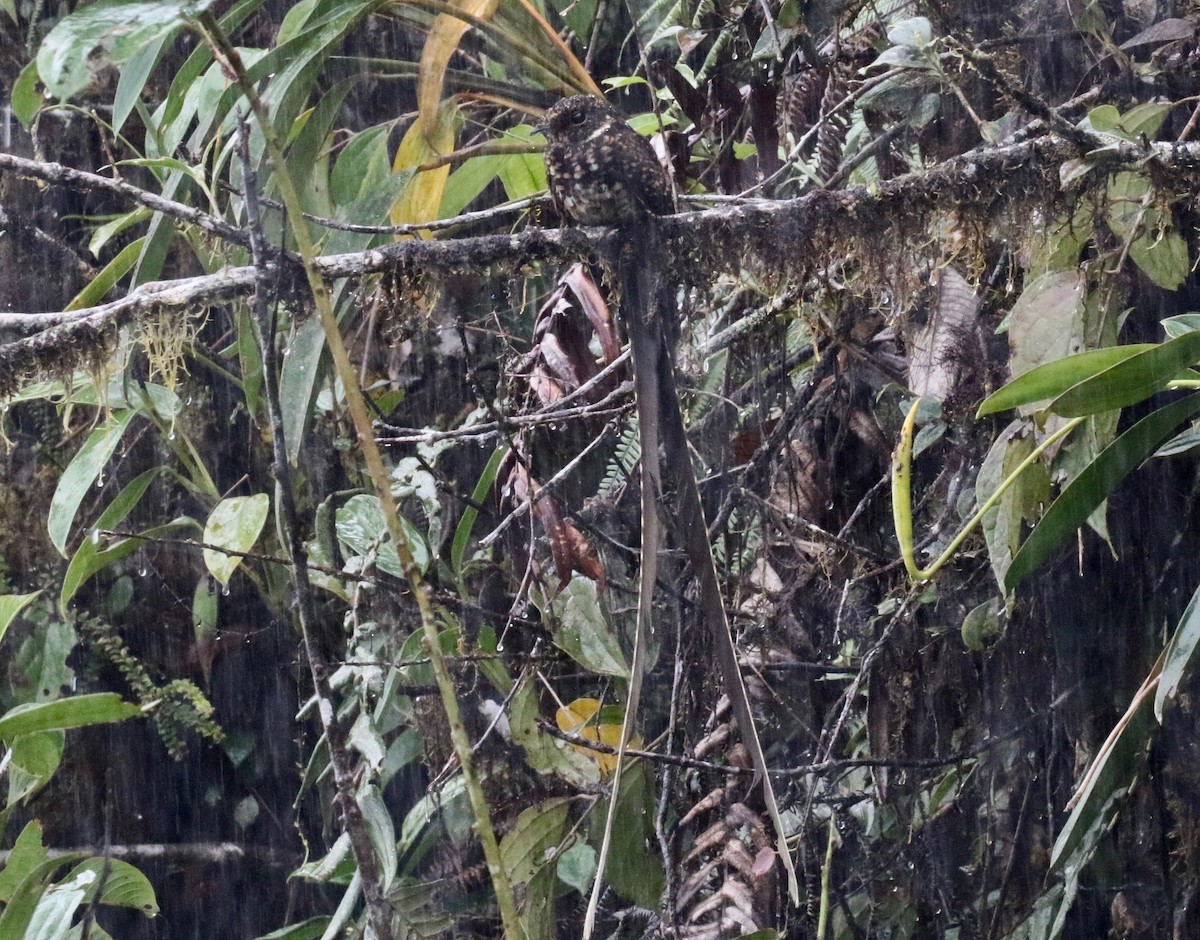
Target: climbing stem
(228, 56)
(902, 495)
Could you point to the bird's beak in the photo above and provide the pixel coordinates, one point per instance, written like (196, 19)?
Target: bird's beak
(540, 128)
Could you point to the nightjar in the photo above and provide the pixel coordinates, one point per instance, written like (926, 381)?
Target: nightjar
(600, 170)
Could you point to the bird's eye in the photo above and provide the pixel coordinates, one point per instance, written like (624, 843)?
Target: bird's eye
(578, 116)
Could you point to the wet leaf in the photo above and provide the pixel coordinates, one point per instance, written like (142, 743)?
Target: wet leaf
(76, 712)
(84, 469)
(235, 523)
(525, 848)
(1096, 483)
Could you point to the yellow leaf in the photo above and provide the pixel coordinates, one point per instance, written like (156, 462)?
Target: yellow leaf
(576, 718)
(435, 57)
(420, 199)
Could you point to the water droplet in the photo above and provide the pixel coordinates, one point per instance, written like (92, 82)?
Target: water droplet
(225, 591)
(499, 647)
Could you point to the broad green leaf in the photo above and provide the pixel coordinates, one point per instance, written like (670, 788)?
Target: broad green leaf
(1021, 503)
(1047, 321)
(361, 166)
(26, 855)
(124, 885)
(85, 468)
(1047, 381)
(16, 916)
(467, 182)
(1130, 381)
(522, 174)
(361, 527)
(10, 606)
(108, 32)
(632, 871)
(584, 632)
(51, 918)
(1096, 483)
(577, 867)
(298, 382)
(77, 712)
(1179, 656)
(983, 626)
(102, 235)
(1144, 120)
(1180, 324)
(382, 834)
(1153, 245)
(26, 99)
(33, 760)
(235, 523)
(1163, 255)
(322, 870)
(539, 829)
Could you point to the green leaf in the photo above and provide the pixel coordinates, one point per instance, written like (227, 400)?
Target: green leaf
(361, 528)
(16, 916)
(539, 829)
(26, 855)
(1047, 381)
(584, 632)
(26, 99)
(311, 929)
(1108, 782)
(51, 919)
(1022, 501)
(1180, 324)
(102, 235)
(90, 558)
(77, 712)
(124, 885)
(632, 871)
(133, 78)
(82, 562)
(83, 470)
(381, 831)
(33, 760)
(1179, 655)
(10, 606)
(462, 532)
(235, 523)
(108, 32)
(1131, 380)
(982, 626)
(1163, 255)
(107, 279)
(298, 382)
(577, 867)
(1047, 321)
(1095, 483)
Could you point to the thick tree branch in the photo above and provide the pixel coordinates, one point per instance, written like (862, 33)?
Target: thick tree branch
(782, 238)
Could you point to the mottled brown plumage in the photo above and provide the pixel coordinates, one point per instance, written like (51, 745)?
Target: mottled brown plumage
(600, 170)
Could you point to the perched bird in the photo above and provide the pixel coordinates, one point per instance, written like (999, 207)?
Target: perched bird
(600, 170)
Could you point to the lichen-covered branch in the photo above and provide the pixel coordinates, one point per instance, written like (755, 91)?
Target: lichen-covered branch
(781, 239)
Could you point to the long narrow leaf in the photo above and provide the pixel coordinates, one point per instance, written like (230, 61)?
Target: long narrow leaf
(1131, 381)
(1052, 379)
(1095, 483)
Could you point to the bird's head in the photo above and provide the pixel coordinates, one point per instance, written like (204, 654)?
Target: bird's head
(575, 119)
